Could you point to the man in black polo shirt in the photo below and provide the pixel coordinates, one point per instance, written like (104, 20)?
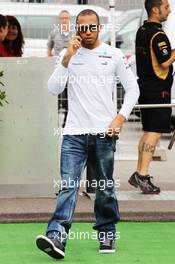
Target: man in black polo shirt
(154, 59)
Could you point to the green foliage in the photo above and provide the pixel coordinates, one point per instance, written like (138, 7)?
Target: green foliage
(2, 93)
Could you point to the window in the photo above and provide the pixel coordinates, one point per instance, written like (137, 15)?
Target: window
(128, 34)
(37, 26)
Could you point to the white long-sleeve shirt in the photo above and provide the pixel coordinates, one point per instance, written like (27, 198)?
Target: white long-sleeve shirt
(91, 76)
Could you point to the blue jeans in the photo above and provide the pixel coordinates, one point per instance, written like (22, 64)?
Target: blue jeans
(74, 153)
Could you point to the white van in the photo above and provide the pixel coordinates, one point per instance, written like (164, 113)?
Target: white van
(37, 20)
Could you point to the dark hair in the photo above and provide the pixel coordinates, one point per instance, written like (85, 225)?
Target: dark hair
(88, 12)
(3, 21)
(149, 4)
(18, 43)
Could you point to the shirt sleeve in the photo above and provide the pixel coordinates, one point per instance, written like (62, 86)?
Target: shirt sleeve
(128, 80)
(161, 47)
(50, 42)
(58, 79)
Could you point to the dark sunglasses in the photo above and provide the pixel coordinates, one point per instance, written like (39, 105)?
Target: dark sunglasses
(85, 28)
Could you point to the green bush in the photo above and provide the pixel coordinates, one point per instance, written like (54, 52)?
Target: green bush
(2, 93)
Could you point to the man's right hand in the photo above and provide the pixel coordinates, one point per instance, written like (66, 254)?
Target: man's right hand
(73, 45)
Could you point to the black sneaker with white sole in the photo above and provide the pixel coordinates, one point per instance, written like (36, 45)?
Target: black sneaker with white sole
(107, 246)
(50, 246)
(144, 182)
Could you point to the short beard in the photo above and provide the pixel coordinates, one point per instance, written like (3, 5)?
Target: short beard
(89, 45)
(160, 14)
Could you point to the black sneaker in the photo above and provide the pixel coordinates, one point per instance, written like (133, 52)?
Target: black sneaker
(50, 246)
(107, 246)
(133, 179)
(144, 182)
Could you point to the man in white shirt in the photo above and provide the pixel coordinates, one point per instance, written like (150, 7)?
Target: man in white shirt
(91, 68)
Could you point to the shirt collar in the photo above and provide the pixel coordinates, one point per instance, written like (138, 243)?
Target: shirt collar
(146, 22)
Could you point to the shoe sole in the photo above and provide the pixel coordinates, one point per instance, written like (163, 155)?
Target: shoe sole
(145, 192)
(47, 246)
(142, 189)
(105, 251)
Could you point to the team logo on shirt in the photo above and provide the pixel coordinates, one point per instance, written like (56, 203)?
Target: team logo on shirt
(105, 56)
(163, 47)
(125, 60)
(165, 52)
(163, 43)
(77, 63)
(104, 63)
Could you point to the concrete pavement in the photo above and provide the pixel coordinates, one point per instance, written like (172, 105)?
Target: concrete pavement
(133, 204)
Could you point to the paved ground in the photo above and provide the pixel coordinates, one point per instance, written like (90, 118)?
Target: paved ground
(133, 204)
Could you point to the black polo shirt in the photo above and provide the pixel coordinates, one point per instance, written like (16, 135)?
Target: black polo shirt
(152, 49)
